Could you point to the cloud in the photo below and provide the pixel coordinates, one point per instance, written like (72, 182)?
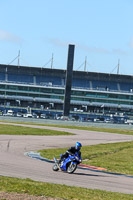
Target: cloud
(93, 49)
(119, 51)
(131, 43)
(101, 50)
(86, 48)
(58, 42)
(7, 36)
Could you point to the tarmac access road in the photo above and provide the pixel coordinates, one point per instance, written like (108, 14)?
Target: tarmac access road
(14, 163)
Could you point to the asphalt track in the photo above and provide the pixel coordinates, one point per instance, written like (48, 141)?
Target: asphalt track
(14, 163)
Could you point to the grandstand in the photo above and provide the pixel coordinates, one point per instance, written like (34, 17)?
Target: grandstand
(43, 89)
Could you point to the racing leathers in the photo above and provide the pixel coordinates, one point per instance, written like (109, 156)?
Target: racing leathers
(70, 151)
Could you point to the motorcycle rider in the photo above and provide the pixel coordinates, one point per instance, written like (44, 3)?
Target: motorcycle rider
(71, 151)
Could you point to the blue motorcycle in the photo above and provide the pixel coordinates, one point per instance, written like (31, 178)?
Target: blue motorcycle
(68, 164)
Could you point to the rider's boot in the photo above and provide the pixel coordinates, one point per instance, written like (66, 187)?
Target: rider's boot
(59, 161)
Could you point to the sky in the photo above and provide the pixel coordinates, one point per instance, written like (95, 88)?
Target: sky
(101, 30)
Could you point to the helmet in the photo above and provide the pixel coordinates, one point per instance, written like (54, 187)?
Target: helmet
(78, 145)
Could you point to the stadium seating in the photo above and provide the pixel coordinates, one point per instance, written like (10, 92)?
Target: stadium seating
(80, 83)
(104, 85)
(58, 81)
(20, 78)
(126, 87)
(2, 76)
(49, 80)
(94, 84)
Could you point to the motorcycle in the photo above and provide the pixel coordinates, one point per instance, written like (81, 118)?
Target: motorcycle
(68, 164)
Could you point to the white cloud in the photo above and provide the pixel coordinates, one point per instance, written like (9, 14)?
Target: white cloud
(7, 36)
(131, 43)
(93, 49)
(86, 48)
(119, 51)
(58, 42)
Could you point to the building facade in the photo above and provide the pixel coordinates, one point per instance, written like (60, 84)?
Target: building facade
(43, 88)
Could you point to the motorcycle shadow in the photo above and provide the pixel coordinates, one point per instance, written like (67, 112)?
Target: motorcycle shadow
(84, 174)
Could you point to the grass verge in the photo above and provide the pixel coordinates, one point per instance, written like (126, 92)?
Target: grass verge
(116, 157)
(56, 191)
(20, 130)
(99, 129)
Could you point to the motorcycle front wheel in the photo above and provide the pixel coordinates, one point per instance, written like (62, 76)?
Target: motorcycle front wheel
(71, 168)
(55, 167)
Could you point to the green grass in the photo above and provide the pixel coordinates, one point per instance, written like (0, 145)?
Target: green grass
(20, 130)
(9, 129)
(57, 191)
(99, 129)
(116, 157)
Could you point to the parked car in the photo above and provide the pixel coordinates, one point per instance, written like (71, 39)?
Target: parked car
(9, 113)
(28, 115)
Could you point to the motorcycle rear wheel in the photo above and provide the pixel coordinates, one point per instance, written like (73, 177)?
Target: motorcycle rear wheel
(71, 168)
(55, 167)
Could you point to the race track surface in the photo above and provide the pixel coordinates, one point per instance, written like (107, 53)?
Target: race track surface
(14, 163)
